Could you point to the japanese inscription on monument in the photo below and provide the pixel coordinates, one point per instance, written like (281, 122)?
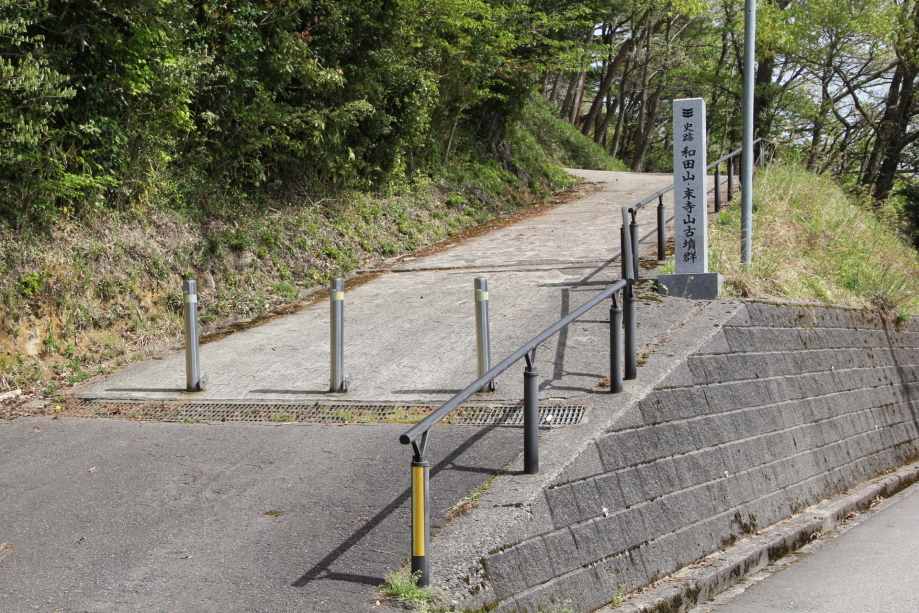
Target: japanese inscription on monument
(690, 186)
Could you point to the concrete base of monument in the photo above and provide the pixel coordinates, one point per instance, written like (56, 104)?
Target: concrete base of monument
(696, 286)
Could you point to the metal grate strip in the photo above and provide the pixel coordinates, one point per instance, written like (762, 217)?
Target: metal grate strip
(312, 412)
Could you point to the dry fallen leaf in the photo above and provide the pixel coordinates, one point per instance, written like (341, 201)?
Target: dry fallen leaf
(38, 429)
(5, 550)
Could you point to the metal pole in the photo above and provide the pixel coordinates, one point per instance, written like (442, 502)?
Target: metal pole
(633, 231)
(627, 268)
(482, 339)
(746, 159)
(623, 262)
(193, 379)
(615, 346)
(531, 416)
(630, 317)
(717, 189)
(661, 230)
(730, 179)
(337, 381)
(421, 533)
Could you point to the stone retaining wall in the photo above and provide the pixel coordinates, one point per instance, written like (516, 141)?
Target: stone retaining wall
(781, 408)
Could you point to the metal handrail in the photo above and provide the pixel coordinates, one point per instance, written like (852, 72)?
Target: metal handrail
(630, 218)
(476, 386)
(634, 208)
(623, 365)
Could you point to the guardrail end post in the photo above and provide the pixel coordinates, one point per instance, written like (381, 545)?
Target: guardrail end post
(531, 416)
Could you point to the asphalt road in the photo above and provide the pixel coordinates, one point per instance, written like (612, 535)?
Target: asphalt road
(867, 565)
(115, 515)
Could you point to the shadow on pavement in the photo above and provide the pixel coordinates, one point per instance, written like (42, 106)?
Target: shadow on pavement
(321, 571)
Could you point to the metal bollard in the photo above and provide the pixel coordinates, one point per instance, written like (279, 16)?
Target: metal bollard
(482, 339)
(630, 317)
(615, 346)
(531, 416)
(717, 189)
(194, 380)
(337, 381)
(730, 179)
(421, 532)
(661, 230)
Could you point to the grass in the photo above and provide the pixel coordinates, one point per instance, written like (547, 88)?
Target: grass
(403, 586)
(470, 500)
(812, 242)
(563, 142)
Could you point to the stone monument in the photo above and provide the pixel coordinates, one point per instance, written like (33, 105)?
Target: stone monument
(690, 198)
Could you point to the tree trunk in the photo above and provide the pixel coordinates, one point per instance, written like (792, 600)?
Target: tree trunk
(643, 138)
(569, 96)
(620, 114)
(579, 91)
(553, 97)
(608, 79)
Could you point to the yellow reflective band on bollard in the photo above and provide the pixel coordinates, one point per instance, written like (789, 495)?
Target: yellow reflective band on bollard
(338, 295)
(418, 530)
(481, 296)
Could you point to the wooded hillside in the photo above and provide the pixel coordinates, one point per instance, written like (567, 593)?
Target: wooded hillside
(209, 104)
(267, 146)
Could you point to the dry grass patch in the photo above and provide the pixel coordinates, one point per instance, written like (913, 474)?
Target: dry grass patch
(814, 242)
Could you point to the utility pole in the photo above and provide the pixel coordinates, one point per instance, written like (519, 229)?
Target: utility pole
(746, 159)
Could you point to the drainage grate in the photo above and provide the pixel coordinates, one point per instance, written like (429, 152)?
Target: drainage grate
(313, 412)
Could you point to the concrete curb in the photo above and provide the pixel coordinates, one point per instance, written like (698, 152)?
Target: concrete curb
(717, 572)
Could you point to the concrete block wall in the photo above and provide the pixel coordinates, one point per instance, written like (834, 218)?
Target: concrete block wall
(783, 407)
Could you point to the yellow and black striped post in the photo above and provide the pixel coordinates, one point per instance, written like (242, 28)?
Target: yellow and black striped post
(421, 533)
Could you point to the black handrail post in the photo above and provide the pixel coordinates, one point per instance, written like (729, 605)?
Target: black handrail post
(630, 316)
(615, 346)
(421, 532)
(531, 416)
(622, 259)
(730, 179)
(633, 233)
(718, 189)
(661, 230)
